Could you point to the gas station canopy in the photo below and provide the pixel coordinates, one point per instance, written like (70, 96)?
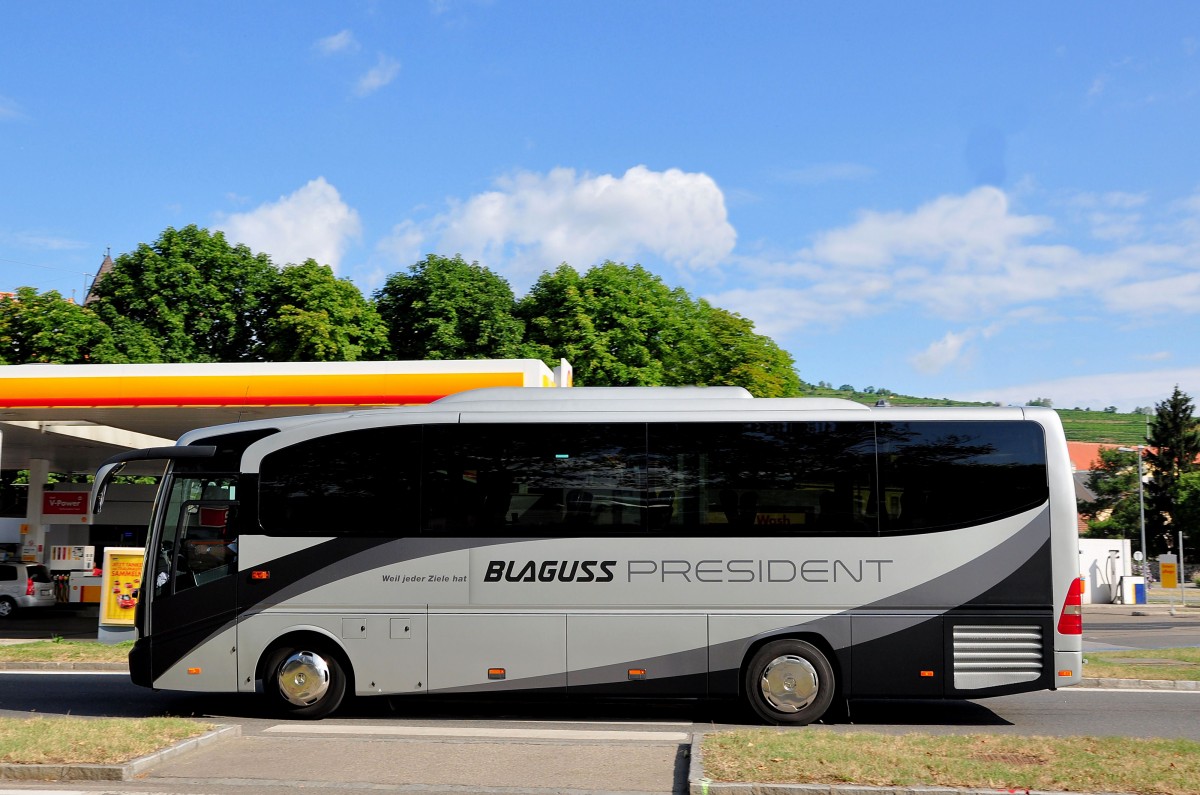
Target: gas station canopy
(76, 416)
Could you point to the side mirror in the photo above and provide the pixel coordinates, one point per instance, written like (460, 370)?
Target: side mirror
(104, 476)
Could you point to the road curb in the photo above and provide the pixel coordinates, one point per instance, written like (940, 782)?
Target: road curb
(63, 666)
(1139, 684)
(123, 772)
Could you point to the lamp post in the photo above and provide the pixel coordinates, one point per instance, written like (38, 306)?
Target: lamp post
(1141, 504)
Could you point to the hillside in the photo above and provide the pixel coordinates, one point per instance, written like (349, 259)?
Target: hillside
(1079, 425)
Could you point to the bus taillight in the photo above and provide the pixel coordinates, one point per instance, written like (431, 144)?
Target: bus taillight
(1070, 621)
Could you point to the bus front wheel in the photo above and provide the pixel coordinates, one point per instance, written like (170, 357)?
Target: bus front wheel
(304, 682)
(789, 682)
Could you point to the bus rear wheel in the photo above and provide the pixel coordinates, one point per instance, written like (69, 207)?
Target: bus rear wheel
(304, 682)
(789, 682)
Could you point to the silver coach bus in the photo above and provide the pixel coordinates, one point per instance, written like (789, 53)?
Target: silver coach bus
(666, 542)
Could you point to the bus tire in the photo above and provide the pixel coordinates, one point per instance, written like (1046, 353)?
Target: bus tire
(789, 682)
(305, 681)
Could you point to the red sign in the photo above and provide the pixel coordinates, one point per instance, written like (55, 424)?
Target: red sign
(65, 502)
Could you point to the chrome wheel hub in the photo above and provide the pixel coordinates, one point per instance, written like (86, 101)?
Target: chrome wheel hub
(789, 683)
(303, 678)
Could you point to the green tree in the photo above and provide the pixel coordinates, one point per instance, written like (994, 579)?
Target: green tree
(617, 325)
(445, 308)
(621, 325)
(1116, 511)
(1187, 509)
(315, 317)
(50, 329)
(1174, 445)
(726, 351)
(188, 297)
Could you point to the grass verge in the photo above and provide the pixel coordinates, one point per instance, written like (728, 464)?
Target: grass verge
(1079, 764)
(66, 651)
(1176, 664)
(48, 741)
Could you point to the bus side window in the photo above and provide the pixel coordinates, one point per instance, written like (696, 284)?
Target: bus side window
(942, 475)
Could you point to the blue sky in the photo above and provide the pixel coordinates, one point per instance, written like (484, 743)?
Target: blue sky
(993, 200)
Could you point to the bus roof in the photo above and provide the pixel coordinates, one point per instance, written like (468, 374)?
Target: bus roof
(607, 404)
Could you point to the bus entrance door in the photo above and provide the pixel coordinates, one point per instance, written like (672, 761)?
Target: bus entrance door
(194, 605)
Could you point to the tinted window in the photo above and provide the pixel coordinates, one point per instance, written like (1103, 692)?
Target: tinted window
(789, 478)
(354, 483)
(8, 573)
(765, 478)
(527, 478)
(39, 574)
(942, 475)
(197, 543)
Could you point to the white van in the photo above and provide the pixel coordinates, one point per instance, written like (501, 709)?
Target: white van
(24, 585)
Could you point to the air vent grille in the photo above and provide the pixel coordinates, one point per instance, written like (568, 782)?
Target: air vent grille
(994, 654)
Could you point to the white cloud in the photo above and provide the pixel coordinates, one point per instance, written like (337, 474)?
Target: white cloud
(973, 229)
(1126, 391)
(9, 111)
(1110, 215)
(1111, 199)
(779, 310)
(942, 353)
(342, 41)
(822, 173)
(383, 72)
(1115, 226)
(313, 222)
(533, 222)
(970, 256)
(1176, 293)
(954, 348)
(40, 241)
(404, 246)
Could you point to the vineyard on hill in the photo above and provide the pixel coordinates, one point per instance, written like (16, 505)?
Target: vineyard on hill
(1080, 425)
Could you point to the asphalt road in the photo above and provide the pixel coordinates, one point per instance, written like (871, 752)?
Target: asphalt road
(1071, 711)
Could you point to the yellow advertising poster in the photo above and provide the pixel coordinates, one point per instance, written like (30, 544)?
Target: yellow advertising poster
(122, 584)
(1169, 573)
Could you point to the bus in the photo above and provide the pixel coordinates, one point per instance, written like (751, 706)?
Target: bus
(695, 542)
